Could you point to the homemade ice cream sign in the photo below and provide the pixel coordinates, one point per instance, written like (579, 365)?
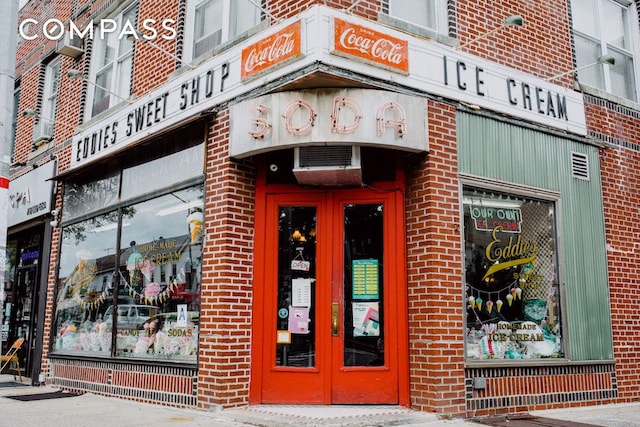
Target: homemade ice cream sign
(329, 116)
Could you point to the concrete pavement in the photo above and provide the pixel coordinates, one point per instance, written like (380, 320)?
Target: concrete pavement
(24, 405)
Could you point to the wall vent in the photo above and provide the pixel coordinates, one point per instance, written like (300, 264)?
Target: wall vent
(327, 165)
(579, 166)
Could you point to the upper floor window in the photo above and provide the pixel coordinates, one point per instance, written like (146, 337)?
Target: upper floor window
(112, 65)
(216, 21)
(44, 127)
(604, 27)
(430, 14)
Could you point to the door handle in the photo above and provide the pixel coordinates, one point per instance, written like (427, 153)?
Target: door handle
(335, 319)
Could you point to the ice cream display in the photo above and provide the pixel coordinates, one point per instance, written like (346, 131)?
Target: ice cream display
(489, 306)
(499, 305)
(195, 220)
(509, 299)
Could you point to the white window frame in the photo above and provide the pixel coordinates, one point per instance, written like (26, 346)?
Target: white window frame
(120, 65)
(632, 52)
(227, 32)
(440, 6)
(44, 127)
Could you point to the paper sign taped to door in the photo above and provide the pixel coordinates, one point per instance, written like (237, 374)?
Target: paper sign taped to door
(299, 320)
(366, 319)
(301, 292)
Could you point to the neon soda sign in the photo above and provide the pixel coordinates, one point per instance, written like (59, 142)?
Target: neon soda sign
(299, 116)
(328, 116)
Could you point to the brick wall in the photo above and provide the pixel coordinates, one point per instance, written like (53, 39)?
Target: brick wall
(151, 65)
(620, 165)
(535, 48)
(434, 271)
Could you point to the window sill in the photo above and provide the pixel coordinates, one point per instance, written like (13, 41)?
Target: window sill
(61, 355)
(416, 30)
(501, 363)
(195, 62)
(590, 90)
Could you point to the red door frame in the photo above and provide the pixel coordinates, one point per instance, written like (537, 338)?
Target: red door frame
(319, 391)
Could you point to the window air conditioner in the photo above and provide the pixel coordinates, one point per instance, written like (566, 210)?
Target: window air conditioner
(69, 46)
(327, 165)
(42, 133)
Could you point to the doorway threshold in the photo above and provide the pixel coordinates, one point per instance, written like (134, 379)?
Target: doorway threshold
(329, 415)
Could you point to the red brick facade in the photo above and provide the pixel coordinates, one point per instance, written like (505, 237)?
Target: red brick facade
(439, 381)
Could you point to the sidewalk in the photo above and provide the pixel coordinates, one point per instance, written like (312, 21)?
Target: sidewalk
(22, 404)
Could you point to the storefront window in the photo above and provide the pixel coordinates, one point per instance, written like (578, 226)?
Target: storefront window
(511, 294)
(85, 285)
(143, 296)
(160, 270)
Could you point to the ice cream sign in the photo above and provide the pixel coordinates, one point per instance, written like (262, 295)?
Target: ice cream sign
(487, 218)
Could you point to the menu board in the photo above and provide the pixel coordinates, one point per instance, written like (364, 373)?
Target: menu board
(365, 275)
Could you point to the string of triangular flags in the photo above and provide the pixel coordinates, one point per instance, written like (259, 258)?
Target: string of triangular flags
(475, 301)
(158, 299)
(97, 302)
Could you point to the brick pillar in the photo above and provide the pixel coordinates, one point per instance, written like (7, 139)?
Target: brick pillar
(225, 315)
(434, 271)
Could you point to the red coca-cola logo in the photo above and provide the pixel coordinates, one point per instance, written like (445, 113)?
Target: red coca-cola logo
(373, 46)
(282, 46)
(272, 50)
(382, 49)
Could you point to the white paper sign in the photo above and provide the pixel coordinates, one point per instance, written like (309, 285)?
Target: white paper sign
(301, 293)
(181, 320)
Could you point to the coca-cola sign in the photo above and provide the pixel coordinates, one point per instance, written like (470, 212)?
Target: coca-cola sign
(276, 49)
(371, 46)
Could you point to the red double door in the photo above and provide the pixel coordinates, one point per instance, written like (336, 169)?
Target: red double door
(330, 299)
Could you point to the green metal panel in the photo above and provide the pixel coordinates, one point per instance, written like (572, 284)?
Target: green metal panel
(516, 155)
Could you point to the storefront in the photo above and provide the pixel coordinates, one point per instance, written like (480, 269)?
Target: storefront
(128, 283)
(330, 315)
(303, 218)
(535, 284)
(28, 243)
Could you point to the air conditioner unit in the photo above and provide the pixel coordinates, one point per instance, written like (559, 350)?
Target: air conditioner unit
(69, 46)
(327, 165)
(42, 133)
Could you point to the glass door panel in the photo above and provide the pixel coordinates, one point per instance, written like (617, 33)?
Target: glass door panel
(363, 286)
(295, 321)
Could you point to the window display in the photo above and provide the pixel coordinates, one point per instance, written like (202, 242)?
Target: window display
(143, 299)
(511, 292)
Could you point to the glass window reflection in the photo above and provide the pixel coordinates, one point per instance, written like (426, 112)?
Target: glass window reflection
(160, 270)
(84, 286)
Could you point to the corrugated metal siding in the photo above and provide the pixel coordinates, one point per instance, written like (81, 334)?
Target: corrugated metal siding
(505, 152)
